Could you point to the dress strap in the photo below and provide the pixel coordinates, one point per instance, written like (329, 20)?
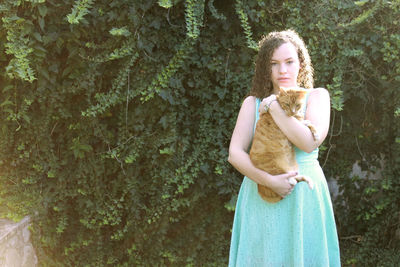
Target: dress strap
(305, 106)
(258, 101)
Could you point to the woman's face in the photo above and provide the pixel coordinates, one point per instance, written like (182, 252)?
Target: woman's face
(285, 66)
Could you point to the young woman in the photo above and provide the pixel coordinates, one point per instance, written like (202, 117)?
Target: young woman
(300, 229)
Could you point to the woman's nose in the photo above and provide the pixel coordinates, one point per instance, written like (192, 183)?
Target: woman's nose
(282, 68)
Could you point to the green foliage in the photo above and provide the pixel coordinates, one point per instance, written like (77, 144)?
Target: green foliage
(245, 24)
(214, 11)
(116, 119)
(17, 44)
(165, 3)
(120, 31)
(80, 9)
(194, 17)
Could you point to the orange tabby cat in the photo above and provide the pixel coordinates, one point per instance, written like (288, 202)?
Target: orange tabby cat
(271, 150)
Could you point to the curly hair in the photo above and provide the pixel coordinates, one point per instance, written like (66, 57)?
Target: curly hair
(262, 84)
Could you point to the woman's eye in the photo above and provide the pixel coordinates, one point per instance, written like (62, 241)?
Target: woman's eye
(290, 62)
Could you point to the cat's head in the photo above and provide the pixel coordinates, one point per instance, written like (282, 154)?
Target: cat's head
(292, 100)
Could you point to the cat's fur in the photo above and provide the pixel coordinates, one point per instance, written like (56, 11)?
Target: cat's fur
(271, 150)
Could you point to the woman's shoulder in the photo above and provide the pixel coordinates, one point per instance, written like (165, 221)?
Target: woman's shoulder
(320, 91)
(318, 94)
(249, 101)
(248, 105)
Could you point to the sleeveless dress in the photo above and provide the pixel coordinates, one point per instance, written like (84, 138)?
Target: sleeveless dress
(297, 231)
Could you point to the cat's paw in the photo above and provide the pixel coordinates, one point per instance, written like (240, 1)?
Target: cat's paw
(312, 129)
(315, 135)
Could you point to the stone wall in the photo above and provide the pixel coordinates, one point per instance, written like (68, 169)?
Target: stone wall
(16, 249)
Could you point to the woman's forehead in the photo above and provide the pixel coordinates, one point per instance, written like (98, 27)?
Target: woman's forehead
(285, 51)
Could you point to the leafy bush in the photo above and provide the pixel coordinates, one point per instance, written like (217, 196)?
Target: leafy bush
(116, 119)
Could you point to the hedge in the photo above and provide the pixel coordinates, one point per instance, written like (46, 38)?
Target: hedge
(116, 118)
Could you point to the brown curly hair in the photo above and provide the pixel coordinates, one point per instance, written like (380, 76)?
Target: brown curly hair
(262, 84)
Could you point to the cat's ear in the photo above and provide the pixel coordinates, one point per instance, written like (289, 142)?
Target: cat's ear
(302, 93)
(282, 91)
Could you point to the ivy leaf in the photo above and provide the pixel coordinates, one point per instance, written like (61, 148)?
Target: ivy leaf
(361, 2)
(167, 151)
(397, 112)
(123, 31)
(165, 3)
(79, 10)
(51, 174)
(42, 10)
(79, 149)
(231, 204)
(205, 168)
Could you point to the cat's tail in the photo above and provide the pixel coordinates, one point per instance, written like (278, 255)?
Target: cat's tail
(302, 178)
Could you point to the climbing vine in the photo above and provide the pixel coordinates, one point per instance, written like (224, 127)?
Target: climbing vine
(116, 118)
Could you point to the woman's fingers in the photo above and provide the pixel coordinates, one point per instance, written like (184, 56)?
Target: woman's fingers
(289, 179)
(289, 174)
(289, 191)
(282, 185)
(266, 102)
(292, 181)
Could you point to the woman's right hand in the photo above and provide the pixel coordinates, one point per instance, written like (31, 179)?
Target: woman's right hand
(282, 184)
(266, 103)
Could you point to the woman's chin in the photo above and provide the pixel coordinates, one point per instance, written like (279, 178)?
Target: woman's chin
(287, 84)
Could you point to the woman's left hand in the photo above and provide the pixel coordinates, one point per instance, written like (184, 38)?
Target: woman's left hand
(266, 102)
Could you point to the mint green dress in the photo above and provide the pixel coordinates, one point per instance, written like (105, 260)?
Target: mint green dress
(297, 231)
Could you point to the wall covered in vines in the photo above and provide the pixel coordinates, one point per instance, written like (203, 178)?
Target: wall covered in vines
(116, 118)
